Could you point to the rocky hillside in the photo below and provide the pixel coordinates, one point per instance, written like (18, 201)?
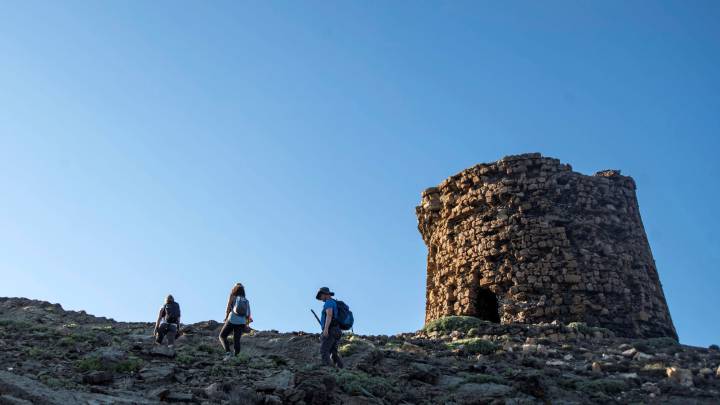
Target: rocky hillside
(52, 356)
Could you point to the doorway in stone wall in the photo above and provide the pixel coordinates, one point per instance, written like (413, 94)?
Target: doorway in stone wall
(486, 305)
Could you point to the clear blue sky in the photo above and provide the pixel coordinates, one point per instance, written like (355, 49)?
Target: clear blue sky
(155, 147)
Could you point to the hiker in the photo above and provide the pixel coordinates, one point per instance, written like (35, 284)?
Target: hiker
(331, 332)
(237, 319)
(168, 322)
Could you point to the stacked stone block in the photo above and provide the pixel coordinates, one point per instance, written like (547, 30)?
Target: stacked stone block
(531, 241)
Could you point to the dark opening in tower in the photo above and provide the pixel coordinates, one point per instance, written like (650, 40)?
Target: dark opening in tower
(486, 305)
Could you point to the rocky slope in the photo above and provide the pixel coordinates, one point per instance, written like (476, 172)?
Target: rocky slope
(52, 356)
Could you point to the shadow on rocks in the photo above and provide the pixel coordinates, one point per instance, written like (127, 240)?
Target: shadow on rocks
(314, 387)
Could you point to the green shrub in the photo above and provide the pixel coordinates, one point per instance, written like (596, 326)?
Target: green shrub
(508, 371)
(67, 341)
(184, 358)
(256, 362)
(360, 383)
(52, 382)
(16, 326)
(209, 349)
(454, 323)
(277, 360)
(90, 363)
(474, 346)
(218, 370)
(93, 363)
(132, 364)
(38, 354)
(354, 344)
(568, 382)
(83, 335)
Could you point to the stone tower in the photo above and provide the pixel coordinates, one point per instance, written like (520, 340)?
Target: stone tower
(526, 239)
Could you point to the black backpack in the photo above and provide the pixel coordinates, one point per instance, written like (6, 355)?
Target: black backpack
(172, 312)
(345, 316)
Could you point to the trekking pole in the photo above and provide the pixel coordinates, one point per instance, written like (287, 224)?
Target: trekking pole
(316, 317)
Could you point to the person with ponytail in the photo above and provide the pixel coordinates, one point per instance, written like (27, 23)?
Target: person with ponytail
(237, 319)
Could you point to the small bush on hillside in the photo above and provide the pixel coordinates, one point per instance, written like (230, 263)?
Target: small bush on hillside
(209, 349)
(474, 346)
(37, 354)
(360, 383)
(67, 341)
(16, 326)
(93, 363)
(184, 358)
(352, 345)
(132, 364)
(54, 382)
(219, 370)
(278, 360)
(452, 323)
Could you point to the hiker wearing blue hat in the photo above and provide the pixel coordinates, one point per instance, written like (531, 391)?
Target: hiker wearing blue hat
(331, 328)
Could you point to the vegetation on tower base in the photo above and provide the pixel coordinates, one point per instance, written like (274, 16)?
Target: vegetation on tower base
(454, 323)
(51, 356)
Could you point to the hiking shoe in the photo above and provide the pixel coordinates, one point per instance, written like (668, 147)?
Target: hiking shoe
(228, 356)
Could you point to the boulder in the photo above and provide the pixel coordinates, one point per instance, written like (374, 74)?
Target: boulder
(19, 388)
(314, 386)
(11, 400)
(680, 376)
(179, 397)
(272, 400)
(423, 372)
(215, 391)
(447, 380)
(157, 373)
(162, 351)
(109, 357)
(277, 382)
(23, 388)
(640, 356)
(98, 377)
(705, 371)
(159, 393)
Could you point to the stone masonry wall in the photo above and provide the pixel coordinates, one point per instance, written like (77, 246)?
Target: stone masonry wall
(526, 239)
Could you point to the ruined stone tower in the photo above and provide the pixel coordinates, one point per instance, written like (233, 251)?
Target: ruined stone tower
(526, 239)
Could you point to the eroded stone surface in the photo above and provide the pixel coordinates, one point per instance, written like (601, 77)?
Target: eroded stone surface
(526, 239)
